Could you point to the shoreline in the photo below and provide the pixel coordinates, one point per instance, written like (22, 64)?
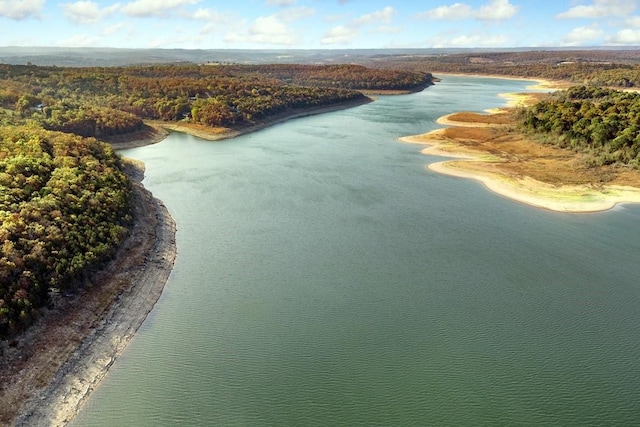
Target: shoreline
(156, 130)
(470, 162)
(540, 83)
(566, 198)
(51, 386)
(66, 363)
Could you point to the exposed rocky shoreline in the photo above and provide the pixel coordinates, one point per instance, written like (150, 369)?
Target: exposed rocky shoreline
(54, 366)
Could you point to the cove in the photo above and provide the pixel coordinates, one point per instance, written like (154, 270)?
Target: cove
(326, 277)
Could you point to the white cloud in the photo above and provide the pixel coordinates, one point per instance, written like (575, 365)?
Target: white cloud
(21, 9)
(384, 29)
(583, 35)
(87, 12)
(625, 37)
(449, 13)
(600, 9)
(495, 10)
(382, 16)
(148, 8)
(345, 34)
(215, 22)
(272, 29)
(264, 30)
(207, 15)
(633, 21)
(339, 35)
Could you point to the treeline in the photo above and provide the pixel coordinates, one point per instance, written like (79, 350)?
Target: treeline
(110, 101)
(90, 121)
(619, 69)
(346, 76)
(603, 123)
(64, 208)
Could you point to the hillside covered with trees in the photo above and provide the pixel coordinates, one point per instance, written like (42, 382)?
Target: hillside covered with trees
(110, 101)
(602, 123)
(64, 207)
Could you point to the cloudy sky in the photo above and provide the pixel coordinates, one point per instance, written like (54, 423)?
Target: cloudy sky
(319, 24)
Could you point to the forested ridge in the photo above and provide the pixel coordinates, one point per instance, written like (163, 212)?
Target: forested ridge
(619, 69)
(110, 101)
(602, 123)
(64, 207)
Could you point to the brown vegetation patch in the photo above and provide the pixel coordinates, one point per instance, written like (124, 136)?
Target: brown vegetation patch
(469, 135)
(518, 156)
(210, 133)
(469, 117)
(501, 148)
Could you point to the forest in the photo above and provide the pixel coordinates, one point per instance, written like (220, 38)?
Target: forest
(64, 207)
(109, 101)
(602, 123)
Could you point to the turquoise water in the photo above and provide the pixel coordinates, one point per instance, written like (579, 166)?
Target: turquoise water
(326, 277)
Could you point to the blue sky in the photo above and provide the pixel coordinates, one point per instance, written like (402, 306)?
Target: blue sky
(319, 24)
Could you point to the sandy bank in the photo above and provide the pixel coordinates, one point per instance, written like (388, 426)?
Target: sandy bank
(56, 364)
(517, 168)
(564, 198)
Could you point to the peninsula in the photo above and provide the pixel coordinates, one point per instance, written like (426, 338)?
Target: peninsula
(493, 149)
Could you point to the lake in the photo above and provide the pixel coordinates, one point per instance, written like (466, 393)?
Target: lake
(326, 277)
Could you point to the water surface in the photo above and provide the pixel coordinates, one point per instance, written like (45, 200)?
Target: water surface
(326, 277)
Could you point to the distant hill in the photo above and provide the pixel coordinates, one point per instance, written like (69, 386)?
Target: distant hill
(102, 57)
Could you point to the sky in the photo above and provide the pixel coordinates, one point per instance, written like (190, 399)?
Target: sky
(319, 24)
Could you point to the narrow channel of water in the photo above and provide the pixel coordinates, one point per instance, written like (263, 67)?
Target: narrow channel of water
(326, 277)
